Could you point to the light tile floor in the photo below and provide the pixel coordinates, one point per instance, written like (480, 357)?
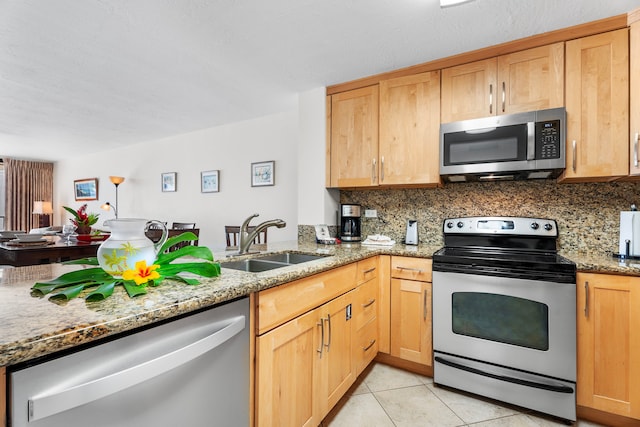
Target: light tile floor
(385, 396)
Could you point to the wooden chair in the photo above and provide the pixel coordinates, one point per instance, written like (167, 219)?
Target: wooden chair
(233, 235)
(183, 225)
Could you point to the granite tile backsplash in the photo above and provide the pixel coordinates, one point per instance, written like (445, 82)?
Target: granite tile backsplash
(588, 214)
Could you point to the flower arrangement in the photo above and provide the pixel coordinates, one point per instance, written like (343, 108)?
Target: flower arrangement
(81, 219)
(135, 280)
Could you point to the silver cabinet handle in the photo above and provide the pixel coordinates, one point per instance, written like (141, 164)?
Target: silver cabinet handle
(51, 403)
(374, 173)
(635, 150)
(382, 169)
(491, 99)
(371, 301)
(328, 344)
(369, 270)
(504, 95)
(417, 270)
(424, 305)
(321, 324)
(371, 343)
(586, 299)
(573, 144)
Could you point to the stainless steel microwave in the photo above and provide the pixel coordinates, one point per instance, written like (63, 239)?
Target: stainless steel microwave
(514, 146)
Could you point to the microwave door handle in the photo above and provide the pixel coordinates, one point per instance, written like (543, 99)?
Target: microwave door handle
(531, 141)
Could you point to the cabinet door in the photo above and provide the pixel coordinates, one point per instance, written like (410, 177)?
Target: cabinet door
(354, 138)
(286, 373)
(336, 367)
(634, 101)
(409, 130)
(469, 91)
(411, 337)
(597, 102)
(608, 316)
(531, 80)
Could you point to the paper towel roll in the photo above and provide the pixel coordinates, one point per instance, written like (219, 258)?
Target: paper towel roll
(630, 230)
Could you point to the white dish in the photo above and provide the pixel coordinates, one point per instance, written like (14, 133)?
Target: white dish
(29, 237)
(10, 234)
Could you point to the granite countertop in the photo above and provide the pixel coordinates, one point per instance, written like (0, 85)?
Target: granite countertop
(33, 326)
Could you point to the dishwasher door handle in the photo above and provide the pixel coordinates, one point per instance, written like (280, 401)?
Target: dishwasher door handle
(51, 403)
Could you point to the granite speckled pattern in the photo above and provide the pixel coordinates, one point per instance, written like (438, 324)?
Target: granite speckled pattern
(32, 326)
(588, 214)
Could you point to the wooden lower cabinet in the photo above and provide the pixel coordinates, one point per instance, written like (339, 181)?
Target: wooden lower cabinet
(411, 333)
(305, 364)
(608, 316)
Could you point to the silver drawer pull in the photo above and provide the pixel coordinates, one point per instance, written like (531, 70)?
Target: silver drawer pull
(369, 303)
(417, 270)
(369, 270)
(371, 343)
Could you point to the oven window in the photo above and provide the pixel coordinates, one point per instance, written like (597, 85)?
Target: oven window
(501, 318)
(503, 144)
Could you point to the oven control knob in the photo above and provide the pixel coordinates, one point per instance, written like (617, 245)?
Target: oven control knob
(450, 224)
(548, 227)
(460, 224)
(535, 225)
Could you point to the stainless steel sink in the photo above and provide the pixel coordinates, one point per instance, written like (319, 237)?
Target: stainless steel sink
(268, 262)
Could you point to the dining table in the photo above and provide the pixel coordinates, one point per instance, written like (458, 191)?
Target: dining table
(53, 249)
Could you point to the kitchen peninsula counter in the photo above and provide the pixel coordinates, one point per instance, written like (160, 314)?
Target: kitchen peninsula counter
(32, 326)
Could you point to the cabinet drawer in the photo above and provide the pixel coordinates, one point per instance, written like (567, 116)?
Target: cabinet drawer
(365, 303)
(411, 268)
(366, 345)
(282, 303)
(367, 269)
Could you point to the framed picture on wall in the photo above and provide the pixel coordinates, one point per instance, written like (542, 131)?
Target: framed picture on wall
(263, 173)
(210, 181)
(169, 181)
(86, 189)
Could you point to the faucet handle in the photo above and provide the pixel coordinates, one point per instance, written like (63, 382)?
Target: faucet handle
(246, 222)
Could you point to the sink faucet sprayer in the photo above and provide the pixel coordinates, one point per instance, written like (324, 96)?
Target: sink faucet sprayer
(246, 237)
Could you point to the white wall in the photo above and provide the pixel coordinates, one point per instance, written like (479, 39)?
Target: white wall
(230, 148)
(316, 204)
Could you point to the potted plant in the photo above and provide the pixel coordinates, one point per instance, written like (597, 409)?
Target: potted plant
(81, 219)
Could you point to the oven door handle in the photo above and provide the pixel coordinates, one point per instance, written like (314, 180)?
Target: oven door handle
(550, 387)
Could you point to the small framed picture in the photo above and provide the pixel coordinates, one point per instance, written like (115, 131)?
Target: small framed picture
(210, 181)
(86, 189)
(169, 181)
(263, 173)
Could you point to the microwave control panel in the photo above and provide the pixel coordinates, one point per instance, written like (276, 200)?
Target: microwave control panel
(548, 139)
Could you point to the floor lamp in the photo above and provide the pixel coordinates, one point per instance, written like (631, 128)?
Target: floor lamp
(116, 180)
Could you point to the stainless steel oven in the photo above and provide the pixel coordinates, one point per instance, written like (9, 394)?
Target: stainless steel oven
(504, 313)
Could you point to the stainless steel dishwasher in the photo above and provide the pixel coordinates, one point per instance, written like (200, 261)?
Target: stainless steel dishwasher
(193, 371)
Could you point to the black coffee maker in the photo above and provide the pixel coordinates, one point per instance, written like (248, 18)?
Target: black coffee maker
(350, 223)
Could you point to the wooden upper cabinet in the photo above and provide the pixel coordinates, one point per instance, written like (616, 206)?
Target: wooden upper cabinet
(354, 138)
(608, 343)
(469, 91)
(409, 130)
(529, 80)
(597, 102)
(634, 101)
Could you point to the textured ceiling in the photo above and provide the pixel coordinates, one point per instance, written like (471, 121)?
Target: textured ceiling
(106, 73)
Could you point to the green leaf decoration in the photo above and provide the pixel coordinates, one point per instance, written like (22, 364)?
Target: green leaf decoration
(69, 293)
(70, 285)
(83, 261)
(104, 291)
(133, 289)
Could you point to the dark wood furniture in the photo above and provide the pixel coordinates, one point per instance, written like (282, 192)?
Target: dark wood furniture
(183, 225)
(155, 234)
(57, 252)
(233, 235)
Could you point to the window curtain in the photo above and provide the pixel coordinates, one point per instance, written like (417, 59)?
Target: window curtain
(26, 182)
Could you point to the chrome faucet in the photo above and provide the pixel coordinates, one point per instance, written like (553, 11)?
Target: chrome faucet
(247, 238)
